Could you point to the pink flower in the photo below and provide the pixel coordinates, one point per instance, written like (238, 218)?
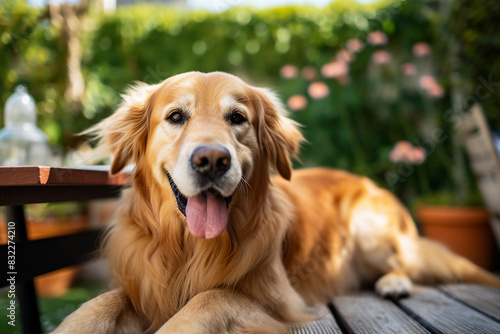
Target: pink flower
(377, 38)
(427, 81)
(318, 90)
(417, 155)
(400, 151)
(381, 57)
(297, 102)
(436, 90)
(289, 72)
(430, 85)
(404, 151)
(335, 69)
(408, 69)
(345, 56)
(403, 146)
(354, 45)
(421, 49)
(395, 156)
(309, 73)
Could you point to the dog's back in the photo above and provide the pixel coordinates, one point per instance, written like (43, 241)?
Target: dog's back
(348, 233)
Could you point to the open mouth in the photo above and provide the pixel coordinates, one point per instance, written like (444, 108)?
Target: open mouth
(181, 199)
(206, 213)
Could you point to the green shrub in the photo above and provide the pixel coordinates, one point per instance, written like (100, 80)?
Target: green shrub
(355, 127)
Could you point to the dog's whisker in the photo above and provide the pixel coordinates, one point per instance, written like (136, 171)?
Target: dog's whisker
(248, 188)
(242, 191)
(244, 187)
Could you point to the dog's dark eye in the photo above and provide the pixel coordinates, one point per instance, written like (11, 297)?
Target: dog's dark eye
(176, 117)
(236, 118)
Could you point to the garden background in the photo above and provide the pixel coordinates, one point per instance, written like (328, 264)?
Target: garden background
(378, 87)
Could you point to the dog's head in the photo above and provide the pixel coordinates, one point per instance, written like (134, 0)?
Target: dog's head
(201, 135)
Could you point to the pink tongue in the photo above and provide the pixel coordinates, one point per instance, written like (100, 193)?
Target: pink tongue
(206, 216)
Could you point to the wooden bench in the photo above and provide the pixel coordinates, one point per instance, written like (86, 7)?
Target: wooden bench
(446, 309)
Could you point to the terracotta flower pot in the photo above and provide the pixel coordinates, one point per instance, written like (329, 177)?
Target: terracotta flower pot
(56, 283)
(464, 230)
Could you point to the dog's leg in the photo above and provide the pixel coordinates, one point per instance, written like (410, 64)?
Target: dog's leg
(425, 261)
(221, 311)
(395, 284)
(100, 315)
(388, 244)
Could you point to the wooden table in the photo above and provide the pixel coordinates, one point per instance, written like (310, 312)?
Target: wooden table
(39, 184)
(446, 309)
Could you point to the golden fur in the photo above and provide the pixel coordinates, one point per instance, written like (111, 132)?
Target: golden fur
(291, 240)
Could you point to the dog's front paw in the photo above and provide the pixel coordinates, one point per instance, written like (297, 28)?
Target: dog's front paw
(394, 285)
(97, 316)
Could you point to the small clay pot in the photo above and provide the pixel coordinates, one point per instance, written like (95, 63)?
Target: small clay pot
(464, 230)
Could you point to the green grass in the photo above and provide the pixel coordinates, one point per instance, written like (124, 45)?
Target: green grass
(52, 310)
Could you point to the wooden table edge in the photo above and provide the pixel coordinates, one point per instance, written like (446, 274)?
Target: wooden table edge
(46, 175)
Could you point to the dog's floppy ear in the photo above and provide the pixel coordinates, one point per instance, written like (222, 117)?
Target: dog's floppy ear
(278, 136)
(124, 134)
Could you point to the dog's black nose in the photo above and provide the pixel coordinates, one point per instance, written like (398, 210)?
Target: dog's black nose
(211, 160)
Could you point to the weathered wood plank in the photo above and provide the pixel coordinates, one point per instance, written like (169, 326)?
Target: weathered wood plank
(483, 298)
(490, 190)
(446, 314)
(326, 324)
(367, 313)
(478, 145)
(43, 175)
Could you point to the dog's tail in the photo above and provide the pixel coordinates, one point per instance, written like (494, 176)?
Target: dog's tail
(437, 264)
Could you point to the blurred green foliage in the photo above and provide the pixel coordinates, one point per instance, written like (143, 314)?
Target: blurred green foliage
(475, 25)
(355, 127)
(53, 310)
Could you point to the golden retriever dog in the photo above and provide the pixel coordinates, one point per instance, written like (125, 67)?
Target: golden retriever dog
(210, 240)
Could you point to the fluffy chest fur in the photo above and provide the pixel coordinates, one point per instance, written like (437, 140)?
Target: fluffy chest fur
(161, 266)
